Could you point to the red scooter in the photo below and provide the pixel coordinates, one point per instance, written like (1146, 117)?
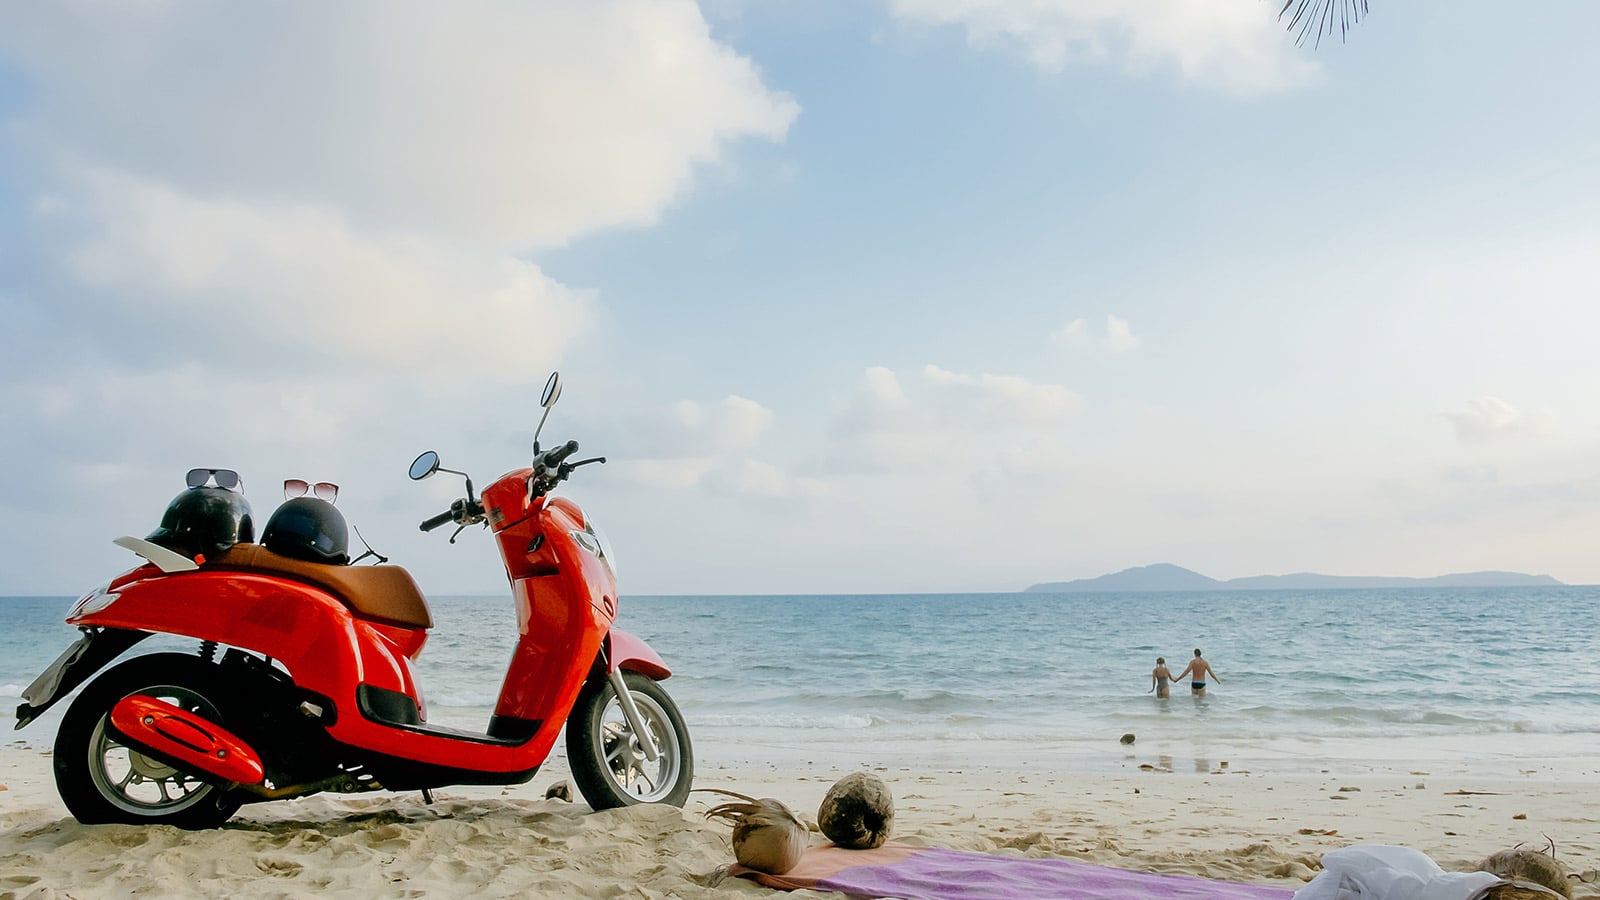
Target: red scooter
(314, 689)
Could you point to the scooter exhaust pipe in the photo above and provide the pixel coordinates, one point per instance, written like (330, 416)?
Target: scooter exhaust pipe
(186, 739)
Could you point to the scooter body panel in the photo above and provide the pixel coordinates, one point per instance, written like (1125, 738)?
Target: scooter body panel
(323, 646)
(565, 602)
(554, 654)
(311, 633)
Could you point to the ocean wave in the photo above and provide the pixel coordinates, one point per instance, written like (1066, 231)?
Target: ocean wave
(921, 699)
(1217, 716)
(783, 721)
(11, 690)
(463, 700)
(1527, 727)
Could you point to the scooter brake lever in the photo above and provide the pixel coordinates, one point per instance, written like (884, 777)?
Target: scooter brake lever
(459, 529)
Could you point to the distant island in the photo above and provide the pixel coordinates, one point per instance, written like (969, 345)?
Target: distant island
(1168, 577)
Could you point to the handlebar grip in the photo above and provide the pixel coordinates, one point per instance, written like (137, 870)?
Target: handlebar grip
(438, 520)
(557, 457)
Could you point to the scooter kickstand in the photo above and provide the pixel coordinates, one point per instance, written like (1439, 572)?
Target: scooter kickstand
(427, 796)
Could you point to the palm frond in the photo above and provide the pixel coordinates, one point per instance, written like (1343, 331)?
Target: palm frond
(1315, 18)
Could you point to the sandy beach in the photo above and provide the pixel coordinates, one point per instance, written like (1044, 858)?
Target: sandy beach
(502, 842)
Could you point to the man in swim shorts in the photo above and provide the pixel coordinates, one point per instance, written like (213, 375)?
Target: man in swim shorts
(1199, 671)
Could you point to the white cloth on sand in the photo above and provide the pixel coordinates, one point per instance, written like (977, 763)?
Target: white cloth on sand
(1379, 872)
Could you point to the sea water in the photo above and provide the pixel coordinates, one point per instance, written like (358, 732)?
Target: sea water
(1492, 681)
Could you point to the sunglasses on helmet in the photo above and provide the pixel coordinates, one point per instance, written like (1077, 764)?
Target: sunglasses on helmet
(322, 490)
(224, 478)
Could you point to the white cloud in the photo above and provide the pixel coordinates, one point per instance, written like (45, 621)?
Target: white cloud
(355, 180)
(941, 420)
(997, 400)
(675, 474)
(883, 386)
(763, 481)
(1074, 332)
(696, 445)
(1237, 45)
(1119, 336)
(1488, 420)
(301, 276)
(740, 421)
(512, 124)
(879, 406)
(687, 428)
(720, 476)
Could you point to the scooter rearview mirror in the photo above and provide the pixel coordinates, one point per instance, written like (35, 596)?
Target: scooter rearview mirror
(424, 465)
(552, 391)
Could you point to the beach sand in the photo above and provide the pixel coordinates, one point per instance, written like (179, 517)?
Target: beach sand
(503, 842)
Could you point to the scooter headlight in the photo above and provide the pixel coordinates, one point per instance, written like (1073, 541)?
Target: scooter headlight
(593, 539)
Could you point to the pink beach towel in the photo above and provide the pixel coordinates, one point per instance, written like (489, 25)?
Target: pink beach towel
(916, 873)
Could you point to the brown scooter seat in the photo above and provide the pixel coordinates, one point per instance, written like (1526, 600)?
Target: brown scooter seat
(385, 594)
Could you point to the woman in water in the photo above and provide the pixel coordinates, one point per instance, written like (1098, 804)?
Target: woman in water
(1160, 679)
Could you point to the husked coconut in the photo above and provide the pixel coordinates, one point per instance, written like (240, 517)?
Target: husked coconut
(1518, 890)
(1530, 867)
(767, 836)
(858, 812)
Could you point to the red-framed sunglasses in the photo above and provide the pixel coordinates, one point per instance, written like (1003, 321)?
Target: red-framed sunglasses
(322, 490)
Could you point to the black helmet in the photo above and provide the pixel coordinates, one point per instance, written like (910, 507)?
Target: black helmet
(205, 521)
(310, 529)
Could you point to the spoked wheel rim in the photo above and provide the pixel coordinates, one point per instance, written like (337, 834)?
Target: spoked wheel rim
(136, 783)
(635, 776)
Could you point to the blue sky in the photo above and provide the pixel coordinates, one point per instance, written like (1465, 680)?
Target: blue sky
(915, 295)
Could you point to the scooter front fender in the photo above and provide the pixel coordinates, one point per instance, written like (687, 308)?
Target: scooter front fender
(625, 651)
(187, 740)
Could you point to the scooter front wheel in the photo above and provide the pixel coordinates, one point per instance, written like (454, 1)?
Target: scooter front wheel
(102, 780)
(607, 758)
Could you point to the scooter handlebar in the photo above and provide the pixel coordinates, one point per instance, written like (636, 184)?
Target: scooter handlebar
(467, 511)
(559, 455)
(438, 520)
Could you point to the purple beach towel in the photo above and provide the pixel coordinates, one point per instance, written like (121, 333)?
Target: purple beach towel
(916, 873)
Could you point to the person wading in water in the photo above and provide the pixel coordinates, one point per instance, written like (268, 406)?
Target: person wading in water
(1199, 672)
(1160, 676)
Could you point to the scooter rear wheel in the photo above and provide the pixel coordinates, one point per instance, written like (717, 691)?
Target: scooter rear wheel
(608, 763)
(103, 781)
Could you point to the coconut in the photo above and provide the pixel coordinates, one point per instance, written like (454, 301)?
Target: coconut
(1529, 866)
(1519, 890)
(858, 812)
(767, 836)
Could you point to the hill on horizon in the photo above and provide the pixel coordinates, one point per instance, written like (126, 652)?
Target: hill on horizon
(1169, 577)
